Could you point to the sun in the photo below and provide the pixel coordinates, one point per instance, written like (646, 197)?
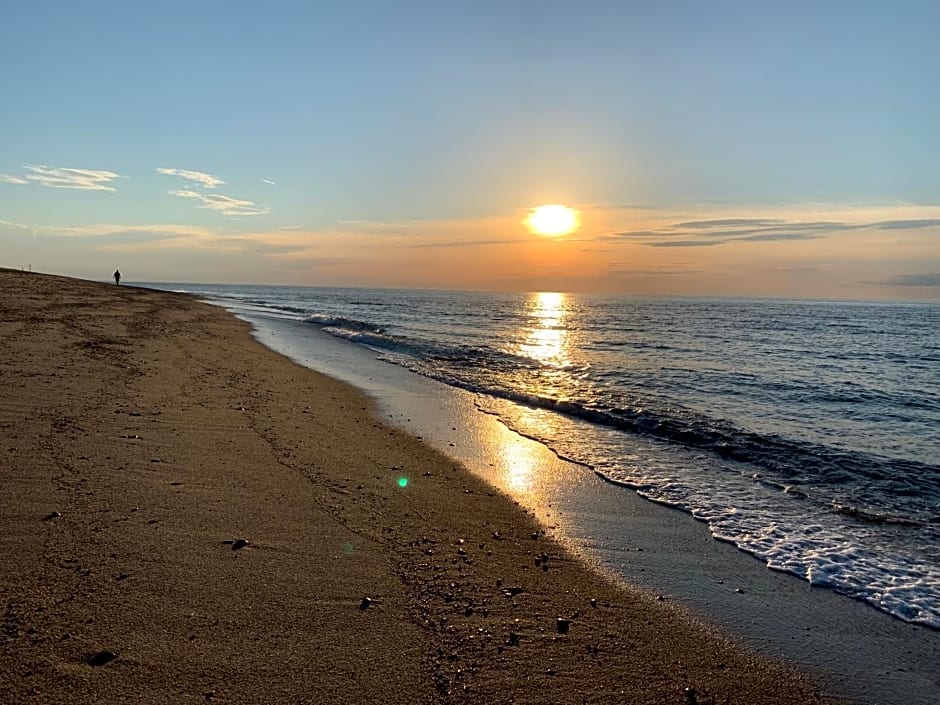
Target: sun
(552, 220)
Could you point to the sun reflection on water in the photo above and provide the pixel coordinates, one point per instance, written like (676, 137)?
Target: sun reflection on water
(519, 461)
(546, 339)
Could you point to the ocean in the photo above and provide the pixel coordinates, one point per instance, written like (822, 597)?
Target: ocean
(806, 433)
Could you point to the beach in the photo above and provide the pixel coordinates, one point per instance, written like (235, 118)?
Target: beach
(174, 533)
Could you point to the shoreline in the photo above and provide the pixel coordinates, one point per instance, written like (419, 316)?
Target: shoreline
(147, 436)
(851, 648)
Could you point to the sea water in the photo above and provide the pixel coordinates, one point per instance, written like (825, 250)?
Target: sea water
(807, 433)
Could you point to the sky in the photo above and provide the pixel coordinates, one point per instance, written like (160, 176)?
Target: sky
(711, 148)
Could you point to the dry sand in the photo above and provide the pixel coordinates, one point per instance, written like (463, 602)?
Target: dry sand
(142, 432)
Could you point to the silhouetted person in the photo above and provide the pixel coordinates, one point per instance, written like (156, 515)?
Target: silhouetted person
(117, 276)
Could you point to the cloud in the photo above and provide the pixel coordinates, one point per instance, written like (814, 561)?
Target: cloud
(773, 237)
(708, 233)
(802, 268)
(455, 243)
(14, 226)
(199, 178)
(223, 204)
(686, 243)
(63, 177)
(263, 248)
(663, 271)
(109, 229)
(729, 222)
(925, 279)
(268, 181)
(907, 224)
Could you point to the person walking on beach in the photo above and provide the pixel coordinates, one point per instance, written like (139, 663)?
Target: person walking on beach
(117, 276)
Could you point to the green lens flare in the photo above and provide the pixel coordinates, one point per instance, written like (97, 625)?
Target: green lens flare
(402, 481)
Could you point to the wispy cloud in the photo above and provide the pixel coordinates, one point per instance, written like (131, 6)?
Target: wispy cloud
(911, 224)
(924, 279)
(199, 178)
(14, 226)
(268, 181)
(708, 233)
(110, 229)
(223, 204)
(455, 243)
(625, 270)
(63, 177)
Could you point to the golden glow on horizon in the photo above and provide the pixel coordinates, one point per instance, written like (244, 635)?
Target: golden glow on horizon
(553, 220)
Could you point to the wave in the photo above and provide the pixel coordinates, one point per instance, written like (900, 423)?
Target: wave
(877, 489)
(341, 324)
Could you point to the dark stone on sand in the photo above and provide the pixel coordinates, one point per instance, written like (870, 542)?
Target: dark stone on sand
(512, 591)
(364, 604)
(51, 515)
(514, 639)
(238, 544)
(101, 658)
(691, 697)
(562, 625)
(593, 602)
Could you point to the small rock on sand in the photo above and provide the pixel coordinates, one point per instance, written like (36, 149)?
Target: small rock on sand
(101, 658)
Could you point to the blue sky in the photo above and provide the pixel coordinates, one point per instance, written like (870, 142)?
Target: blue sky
(403, 143)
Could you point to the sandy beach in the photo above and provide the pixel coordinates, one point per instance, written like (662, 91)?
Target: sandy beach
(191, 517)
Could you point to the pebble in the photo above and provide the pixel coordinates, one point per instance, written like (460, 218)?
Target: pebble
(239, 544)
(51, 515)
(366, 601)
(101, 658)
(562, 625)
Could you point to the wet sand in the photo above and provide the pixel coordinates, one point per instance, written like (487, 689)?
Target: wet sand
(848, 647)
(146, 437)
